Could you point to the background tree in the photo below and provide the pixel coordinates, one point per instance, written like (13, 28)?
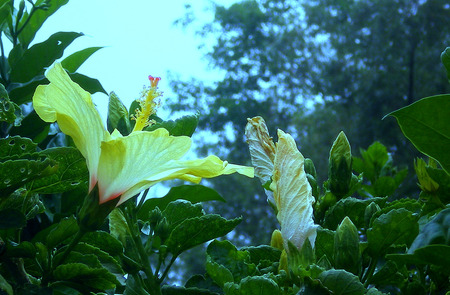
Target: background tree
(313, 68)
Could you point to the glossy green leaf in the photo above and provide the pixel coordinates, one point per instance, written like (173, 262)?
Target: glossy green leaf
(389, 274)
(91, 85)
(437, 254)
(191, 193)
(12, 219)
(397, 227)
(426, 123)
(104, 241)
(16, 173)
(35, 60)
(341, 282)
(178, 290)
(219, 273)
(9, 111)
(185, 125)
(324, 244)
(353, 208)
(134, 287)
(75, 60)
(36, 21)
(118, 117)
(445, 58)
(71, 172)
(236, 261)
(22, 93)
(262, 252)
(256, 285)
(372, 161)
(65, 229)
(4, 285)
(28, 203)
(436, 231)
(16, 146)
(5, 11)
(198, 230)
(32, 126)
(180, 210)
(24, 250)
(98, 278)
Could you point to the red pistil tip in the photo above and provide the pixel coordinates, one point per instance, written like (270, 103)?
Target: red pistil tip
(154, 81)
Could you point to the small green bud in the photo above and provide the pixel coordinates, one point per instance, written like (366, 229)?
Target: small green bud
(284, 262)
(346, 247)
(314, 187)
(445, 58)
(93, 214)
(21, 9)
(426, 183)
(340, 166)
(154, 217)
(310, 168)
(277, 240)
(369, 212)
(162, 229)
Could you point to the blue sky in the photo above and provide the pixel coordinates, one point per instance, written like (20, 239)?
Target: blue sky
(139, 38)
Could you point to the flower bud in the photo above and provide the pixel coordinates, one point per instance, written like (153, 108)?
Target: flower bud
(340, 166)
(346, 247)
(283, 262)
(154, 217)
(162, 229)
(92, 214)
(369, 212)
(277, 240)
(310, 168)
(426, 183)
(21, 9)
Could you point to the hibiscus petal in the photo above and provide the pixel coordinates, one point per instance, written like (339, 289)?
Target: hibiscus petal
(128, 165)
(67, 103)
(292, 193)
(261, 146)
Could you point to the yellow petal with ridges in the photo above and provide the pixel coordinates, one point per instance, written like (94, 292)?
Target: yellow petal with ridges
(67, 103)
(292, 193)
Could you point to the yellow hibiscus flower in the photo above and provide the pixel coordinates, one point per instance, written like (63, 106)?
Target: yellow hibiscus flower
(122, 166)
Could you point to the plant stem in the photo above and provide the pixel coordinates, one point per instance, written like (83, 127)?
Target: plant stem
(166, 271)
(72, 245)
(142, 200)
(150, 281)
(369, 273)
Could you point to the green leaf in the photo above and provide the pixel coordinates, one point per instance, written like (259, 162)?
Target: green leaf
(71, 172)
(433, 254)
(185, 125)
(389, 274)
(4, 285)
(22, 93)
(12, 219)
(198, 230)
(434, 232)
(64, 230)
(104, 241)
(118, 117)
(9, 111)
(397, 227)
(75, 60)
(341, 282)
(32, 126)
(134, 287)
(16, 146)
(191, 193)
(256, 285)
(219, 273)
(445, 58)
(324, 244)
(353, 208)
(236, 261)
(178, 290)
(41, 55)
(98, 278)
(28, 203)
(91, 85)
(372, 162)
(262, 252)
(24, 250)
(426, 124)
(180, 210)
(36, 21)
(16, 173)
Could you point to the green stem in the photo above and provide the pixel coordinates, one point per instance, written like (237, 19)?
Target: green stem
(2, 65)
(150, 281)
(369, 273)
(72, 245)
(166, 271)
(142, 200)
